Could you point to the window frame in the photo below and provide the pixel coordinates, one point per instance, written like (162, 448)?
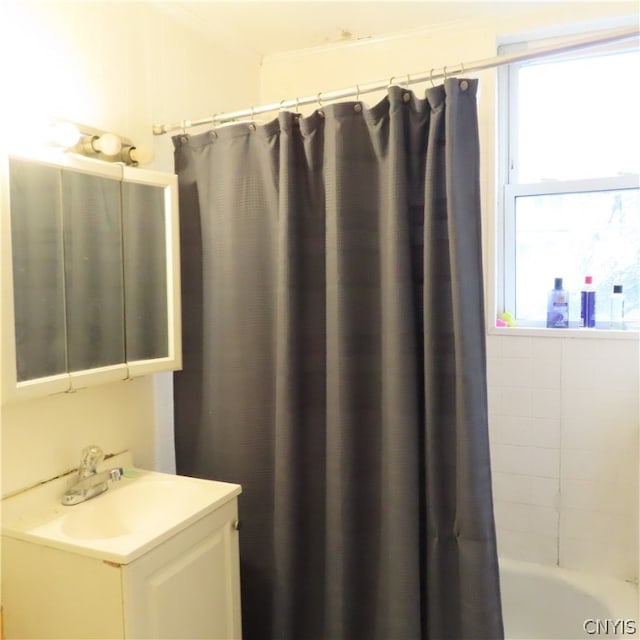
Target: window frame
(509, 188)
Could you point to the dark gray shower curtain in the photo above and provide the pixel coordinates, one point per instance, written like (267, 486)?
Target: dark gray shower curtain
(334, 365)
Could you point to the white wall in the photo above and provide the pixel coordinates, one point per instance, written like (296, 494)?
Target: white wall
(563, 410)
(118, 66)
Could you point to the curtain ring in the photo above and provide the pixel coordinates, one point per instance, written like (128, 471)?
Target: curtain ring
(444, 70)
(431, 78)
(319, 99)
(297, 104)
(391, 80)
(462, 68)
(357, 93)
(408, 79)
(281, 103)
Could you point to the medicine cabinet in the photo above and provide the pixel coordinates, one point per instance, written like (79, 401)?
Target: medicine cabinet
(90, 274)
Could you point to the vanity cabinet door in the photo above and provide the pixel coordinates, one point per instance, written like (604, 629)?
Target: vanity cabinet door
(189, 586)
(94, 288)
(145, 267)
(151, 248)
(38, 271)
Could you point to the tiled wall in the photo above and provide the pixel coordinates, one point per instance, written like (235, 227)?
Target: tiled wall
(563, 420)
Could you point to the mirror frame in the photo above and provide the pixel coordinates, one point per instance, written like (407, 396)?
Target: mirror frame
(13, 390)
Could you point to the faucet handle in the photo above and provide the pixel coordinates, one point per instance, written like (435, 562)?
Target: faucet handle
(91, 457)
(116, 474)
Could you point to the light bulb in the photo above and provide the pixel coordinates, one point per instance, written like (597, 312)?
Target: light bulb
(107, 143)
(64, 134)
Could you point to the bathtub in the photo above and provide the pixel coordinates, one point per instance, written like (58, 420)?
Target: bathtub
(549, 603)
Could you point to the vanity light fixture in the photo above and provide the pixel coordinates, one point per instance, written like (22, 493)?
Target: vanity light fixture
(95, 143)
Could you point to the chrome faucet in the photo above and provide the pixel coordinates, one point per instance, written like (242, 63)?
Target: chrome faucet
(89, 482)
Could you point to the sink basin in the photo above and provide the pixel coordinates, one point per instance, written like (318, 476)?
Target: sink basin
(134, 515)
(136, 506)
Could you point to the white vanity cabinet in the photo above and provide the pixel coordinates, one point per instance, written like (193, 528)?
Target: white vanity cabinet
(177, 579)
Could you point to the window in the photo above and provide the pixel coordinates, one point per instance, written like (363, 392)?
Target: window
(570, 165)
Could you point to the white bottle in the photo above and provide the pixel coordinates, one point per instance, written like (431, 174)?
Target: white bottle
(617, 308)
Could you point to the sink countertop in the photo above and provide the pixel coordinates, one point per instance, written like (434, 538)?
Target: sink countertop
(134, 515)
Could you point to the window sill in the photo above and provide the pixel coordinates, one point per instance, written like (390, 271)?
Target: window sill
(571, 332)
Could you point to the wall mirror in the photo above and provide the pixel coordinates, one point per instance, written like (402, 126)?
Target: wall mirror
(90, 274)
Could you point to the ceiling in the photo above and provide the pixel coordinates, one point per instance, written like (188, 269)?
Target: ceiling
(266, 28)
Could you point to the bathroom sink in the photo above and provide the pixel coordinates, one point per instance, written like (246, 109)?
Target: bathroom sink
(134, 515)
(143, 504)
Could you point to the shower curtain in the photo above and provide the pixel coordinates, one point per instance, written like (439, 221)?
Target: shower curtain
(334, 365)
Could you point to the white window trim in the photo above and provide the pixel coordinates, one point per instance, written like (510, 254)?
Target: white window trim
(508, 188)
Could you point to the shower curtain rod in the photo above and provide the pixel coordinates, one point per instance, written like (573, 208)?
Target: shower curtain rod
(599, 38)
